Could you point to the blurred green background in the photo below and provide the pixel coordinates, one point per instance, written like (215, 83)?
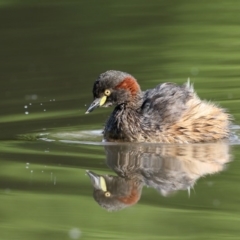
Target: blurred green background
(50, 54)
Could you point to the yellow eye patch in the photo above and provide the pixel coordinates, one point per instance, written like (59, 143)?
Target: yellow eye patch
(103, 100)
(103, 184)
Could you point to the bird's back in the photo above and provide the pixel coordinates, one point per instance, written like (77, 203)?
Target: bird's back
(175, 114)
(166, 103)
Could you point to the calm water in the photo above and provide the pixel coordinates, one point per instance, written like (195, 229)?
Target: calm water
(51, 52)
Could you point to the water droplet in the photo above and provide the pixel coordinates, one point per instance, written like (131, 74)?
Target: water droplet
(26, 113)
(75, 233)
(44, 110)
(25, 106)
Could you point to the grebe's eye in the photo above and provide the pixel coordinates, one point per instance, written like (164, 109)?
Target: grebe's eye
(107, 194)
(107, 92)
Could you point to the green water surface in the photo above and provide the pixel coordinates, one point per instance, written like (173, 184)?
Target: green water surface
(50, 54)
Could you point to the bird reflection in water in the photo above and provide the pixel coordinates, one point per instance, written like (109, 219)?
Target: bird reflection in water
(166, 168)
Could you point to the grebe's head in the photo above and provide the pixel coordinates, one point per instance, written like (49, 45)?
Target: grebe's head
(113, 88)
